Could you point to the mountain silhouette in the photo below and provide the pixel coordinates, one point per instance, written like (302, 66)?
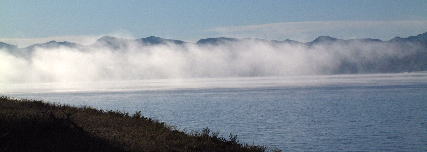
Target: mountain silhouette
(420, 38)
(323, 40)
(7, 46)
(117, 43)
(53, 44)
(112, 42)
(216, 41)
(154, 40)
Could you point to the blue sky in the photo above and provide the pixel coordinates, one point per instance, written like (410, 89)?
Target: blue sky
(193, 19)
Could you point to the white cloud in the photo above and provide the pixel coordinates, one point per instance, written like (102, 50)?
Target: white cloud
(306, 31)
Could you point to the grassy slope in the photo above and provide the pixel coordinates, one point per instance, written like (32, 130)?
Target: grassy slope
(27, 125)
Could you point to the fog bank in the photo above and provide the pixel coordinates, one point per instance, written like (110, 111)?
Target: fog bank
(131, 60)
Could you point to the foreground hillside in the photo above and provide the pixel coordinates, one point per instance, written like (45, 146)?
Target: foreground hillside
(28, 125)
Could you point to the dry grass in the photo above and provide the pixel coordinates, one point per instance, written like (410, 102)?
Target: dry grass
(29, 125)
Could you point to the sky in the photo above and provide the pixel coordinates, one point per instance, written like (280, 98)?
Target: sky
(28, 21)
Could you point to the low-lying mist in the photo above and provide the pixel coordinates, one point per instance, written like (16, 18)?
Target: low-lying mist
(240, 58)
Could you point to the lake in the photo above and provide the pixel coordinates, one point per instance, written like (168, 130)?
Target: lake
(372, 112)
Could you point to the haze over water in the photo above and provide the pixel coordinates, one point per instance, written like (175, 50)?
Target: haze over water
(372, 112)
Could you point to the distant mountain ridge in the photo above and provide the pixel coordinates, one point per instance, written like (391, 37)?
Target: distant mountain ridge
(112, 42)
(115, 42)
(53, 44)
(365, 55)
(154, 40)
(7, 46)
(420, 38)
(215, 41)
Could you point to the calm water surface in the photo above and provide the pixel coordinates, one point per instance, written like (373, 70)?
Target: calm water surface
(380, 112)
